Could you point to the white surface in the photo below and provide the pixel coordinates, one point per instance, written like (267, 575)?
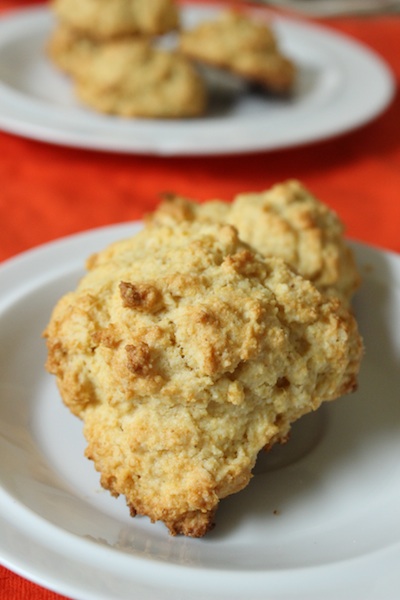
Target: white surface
(335, 486)
(334, 94)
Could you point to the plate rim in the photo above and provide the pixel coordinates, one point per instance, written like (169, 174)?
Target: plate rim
(13, 121)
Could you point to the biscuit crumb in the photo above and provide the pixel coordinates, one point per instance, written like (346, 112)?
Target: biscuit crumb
(145, 297)
(139, 358)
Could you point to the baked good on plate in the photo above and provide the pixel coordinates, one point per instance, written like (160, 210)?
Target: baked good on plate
(131, 78)
(239, 43)
(185, 353)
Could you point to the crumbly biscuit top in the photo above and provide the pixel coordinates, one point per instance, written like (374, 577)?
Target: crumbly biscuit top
(285, 221)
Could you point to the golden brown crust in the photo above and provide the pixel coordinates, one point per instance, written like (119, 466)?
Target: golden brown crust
(236, 42)
(285, 221)
(178, 401)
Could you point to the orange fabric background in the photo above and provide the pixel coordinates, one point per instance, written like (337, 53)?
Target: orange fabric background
(48, 191)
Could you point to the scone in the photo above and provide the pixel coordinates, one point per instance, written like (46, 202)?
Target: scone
(131, 78)
(106, 19)
(185, 353)
(238, 43)
(285, 221)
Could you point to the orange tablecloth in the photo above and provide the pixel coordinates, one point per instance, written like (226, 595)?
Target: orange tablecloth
(48, 191)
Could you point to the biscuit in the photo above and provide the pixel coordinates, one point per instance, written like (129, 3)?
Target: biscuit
(185, 353)
(71, 51)
(285, 221)
(105, 19)
(246, 47)
(131, 78)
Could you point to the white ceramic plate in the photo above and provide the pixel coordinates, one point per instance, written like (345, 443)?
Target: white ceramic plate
(320, 520)
(334, 94)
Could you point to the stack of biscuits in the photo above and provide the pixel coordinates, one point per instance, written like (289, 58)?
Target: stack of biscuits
(110, 49)
(196, 343)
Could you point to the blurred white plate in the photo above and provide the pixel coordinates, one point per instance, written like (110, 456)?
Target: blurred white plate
(334, 94)
(319, 521)
(331, 8)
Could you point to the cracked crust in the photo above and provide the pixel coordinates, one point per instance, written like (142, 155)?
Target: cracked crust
(185, 353)
(285, 221)
(242, 45)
